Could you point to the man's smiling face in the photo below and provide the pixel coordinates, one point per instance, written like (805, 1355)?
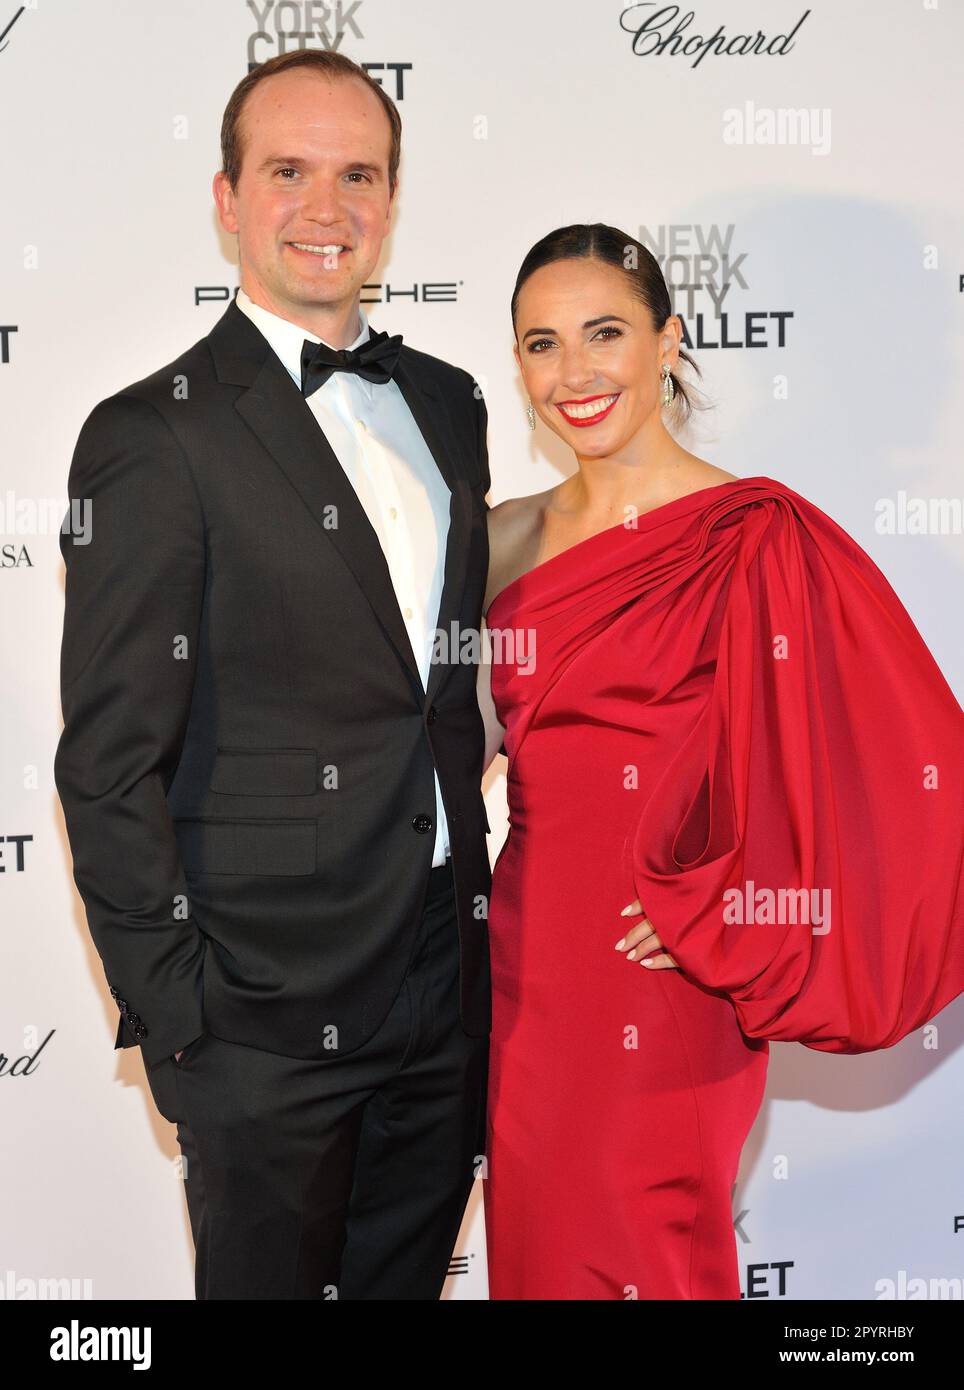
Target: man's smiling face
(312, 205)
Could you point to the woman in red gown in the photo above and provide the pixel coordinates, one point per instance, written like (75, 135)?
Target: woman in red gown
(713, 704)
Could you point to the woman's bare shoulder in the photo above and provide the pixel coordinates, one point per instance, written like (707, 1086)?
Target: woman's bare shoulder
(513, 515)
(514, 525)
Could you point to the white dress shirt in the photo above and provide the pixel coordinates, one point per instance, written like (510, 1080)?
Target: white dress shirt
(378, 444)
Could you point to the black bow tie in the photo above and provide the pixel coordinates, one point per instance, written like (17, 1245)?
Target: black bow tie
(375, 360)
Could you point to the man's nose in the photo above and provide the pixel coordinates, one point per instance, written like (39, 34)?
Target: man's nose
(321, 201)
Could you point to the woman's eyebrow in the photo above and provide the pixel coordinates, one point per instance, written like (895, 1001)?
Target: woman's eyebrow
(590, 323)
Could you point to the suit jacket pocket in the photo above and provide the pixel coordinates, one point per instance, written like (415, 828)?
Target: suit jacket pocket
(209, 845)
(265, 772)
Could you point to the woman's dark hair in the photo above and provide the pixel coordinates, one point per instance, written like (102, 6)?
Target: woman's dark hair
(327, 63)
(598, 242)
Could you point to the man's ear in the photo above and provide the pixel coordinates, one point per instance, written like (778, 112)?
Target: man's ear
(225, 202)
(391, 207)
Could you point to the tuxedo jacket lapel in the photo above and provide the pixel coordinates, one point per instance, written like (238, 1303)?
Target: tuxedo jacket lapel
(430, 412)
(281, 418)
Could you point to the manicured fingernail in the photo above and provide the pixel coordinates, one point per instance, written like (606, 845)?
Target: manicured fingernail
(627, 910)
(620, 944)
(631, 955)
(648, 963)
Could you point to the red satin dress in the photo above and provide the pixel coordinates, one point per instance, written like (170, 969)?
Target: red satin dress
(725, 701)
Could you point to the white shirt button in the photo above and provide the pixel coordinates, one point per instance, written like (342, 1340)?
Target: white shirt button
(393, 513)
(408, 612)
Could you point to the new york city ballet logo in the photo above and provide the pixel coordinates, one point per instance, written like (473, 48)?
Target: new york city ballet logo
(286, 26)
(705, 270)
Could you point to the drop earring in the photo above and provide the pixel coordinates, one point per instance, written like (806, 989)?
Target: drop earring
(530, 414)
(668, 389)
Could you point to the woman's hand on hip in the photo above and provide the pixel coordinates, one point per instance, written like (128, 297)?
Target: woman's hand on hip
(641, 940)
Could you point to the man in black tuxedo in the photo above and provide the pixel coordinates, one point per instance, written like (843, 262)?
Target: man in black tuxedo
(270, 772)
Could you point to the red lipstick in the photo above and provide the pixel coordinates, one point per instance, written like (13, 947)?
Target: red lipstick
(591, 419)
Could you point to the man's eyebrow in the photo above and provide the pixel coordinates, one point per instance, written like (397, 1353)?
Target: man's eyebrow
(277, 159)
(590, 323)
(296, 162)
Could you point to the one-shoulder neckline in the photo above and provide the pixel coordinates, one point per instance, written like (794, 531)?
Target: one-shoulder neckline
(621, 526)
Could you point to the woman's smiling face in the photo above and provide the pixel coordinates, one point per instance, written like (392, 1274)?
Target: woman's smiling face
(589, 355)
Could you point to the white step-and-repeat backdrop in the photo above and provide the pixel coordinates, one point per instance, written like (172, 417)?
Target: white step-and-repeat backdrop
(805, 203)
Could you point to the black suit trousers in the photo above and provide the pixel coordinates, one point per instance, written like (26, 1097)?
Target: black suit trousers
(341, 1178)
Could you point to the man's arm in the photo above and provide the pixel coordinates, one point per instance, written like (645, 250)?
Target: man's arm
(494, 732)
(134, 593)
(482, 426)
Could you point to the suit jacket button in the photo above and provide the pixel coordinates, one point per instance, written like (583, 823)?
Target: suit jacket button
(432, 715)
(422, 823)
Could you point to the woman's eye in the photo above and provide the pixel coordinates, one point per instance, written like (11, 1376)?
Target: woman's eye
(607, 328)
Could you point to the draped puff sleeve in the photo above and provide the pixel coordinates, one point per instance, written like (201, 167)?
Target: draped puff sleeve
(803, 851)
